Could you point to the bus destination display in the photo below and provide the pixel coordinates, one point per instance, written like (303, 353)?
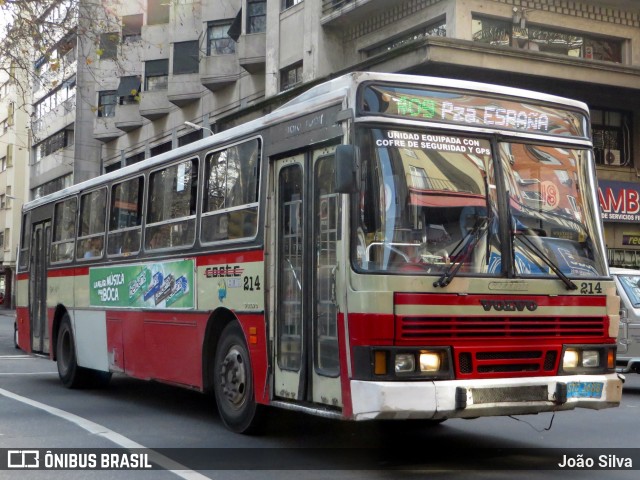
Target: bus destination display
(473, 110)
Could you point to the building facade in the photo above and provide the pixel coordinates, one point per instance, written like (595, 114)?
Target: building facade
(14, 161)
(155, 65)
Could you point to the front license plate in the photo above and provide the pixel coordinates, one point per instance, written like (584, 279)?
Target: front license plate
(584, 389)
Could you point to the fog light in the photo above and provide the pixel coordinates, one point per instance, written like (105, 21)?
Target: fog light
(590, 358)
(570, 359)
(405, 363)
(429, 362)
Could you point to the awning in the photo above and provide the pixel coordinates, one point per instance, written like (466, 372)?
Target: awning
(446, 199)
(129, 85)
(235, 30)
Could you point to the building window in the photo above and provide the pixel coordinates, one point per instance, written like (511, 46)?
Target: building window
(157, 12)
(438, 29)
(256, 16)
(156, 75)
(611, 137)
(190, 138)
(132, 28)
(290, 76)
(537, 38)
(10, 111)
(3, 201)
(107, 103)
(2, 239)
(128, 90)
(289, 3)
(218, 40)
(108, 45)
(7, 236)
(186, 57)
(158, 149)
(52, 144)
(138, 157)
(3, 164)
(53, 186)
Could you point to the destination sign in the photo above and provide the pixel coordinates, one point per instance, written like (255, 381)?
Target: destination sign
(472, 110)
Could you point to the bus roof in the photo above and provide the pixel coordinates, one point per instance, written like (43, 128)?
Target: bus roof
(331, 92)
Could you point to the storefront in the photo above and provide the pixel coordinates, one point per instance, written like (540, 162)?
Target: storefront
(620, 207)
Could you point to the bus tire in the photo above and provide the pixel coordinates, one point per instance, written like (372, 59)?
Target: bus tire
(233, 382)
(15, 335)
(70, 373)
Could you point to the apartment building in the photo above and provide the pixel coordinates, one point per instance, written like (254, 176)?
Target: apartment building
(64, 151)
(215, 64)
(14, 161)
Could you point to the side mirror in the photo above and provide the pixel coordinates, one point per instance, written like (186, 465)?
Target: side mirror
(346, 168)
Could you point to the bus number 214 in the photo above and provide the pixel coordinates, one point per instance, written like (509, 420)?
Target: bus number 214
(252, 283)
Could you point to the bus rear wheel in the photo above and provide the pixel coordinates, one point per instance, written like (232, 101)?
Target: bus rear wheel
(233, 382)
(70, 373)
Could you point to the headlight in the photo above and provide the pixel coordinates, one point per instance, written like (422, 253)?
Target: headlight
(429, 361)
(405, 363)
(590, 358)
(570, 359)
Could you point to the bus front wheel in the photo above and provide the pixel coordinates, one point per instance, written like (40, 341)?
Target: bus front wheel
(233, 382)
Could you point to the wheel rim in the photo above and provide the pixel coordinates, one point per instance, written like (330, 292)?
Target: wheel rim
(233, 377)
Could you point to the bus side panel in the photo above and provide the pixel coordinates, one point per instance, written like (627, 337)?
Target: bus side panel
(90, 331)
(159, 345)
(255, 335)
(24, 328)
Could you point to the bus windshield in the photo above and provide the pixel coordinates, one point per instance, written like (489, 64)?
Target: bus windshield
(428, 203)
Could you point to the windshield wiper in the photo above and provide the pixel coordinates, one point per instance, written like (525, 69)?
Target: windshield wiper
(468, 243)
(535, 249)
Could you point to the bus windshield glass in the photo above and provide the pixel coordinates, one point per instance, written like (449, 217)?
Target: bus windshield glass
(551, 218)
(428, 203)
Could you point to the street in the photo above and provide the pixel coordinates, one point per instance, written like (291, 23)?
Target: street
(36, 411)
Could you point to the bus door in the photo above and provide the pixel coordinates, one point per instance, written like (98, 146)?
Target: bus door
(306, 363)
(40, 241)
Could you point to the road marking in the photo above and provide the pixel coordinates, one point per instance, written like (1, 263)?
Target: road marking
(15, 357)
(102, 431)
(28, 373)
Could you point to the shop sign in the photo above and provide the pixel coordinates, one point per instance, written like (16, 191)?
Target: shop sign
(619, 201)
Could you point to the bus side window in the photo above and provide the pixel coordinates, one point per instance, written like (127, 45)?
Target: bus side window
(64, 231)
(230, 200)
(171, 218)
(125, 217)
(90, 243)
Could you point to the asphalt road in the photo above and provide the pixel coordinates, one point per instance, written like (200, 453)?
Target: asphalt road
(188, 440)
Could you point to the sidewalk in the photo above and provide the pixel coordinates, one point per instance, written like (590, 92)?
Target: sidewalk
(5, 312)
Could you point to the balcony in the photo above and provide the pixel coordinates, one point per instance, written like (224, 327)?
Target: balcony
(154, 104)
(337, 13)
(252, 51)
(128, 117)
(219, 71)
(105, 130)
(184, 89)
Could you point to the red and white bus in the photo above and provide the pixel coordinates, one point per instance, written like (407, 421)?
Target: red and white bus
(381, 247)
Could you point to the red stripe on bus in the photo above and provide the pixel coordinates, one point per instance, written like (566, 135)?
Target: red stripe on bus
(68, 272)
(474, 300)
(228, 257)
(22, 276)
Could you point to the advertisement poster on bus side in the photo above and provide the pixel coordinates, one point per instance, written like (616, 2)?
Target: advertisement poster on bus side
(148, 285)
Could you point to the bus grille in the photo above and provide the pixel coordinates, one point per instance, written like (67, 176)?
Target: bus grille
(424, 329)
(481, 351)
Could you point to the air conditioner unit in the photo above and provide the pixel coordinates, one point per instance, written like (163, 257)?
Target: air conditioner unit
(612, 157)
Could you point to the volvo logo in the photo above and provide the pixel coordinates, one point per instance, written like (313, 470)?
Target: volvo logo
(509, 305)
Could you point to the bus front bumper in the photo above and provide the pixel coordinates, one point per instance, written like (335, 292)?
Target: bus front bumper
(480, 398)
